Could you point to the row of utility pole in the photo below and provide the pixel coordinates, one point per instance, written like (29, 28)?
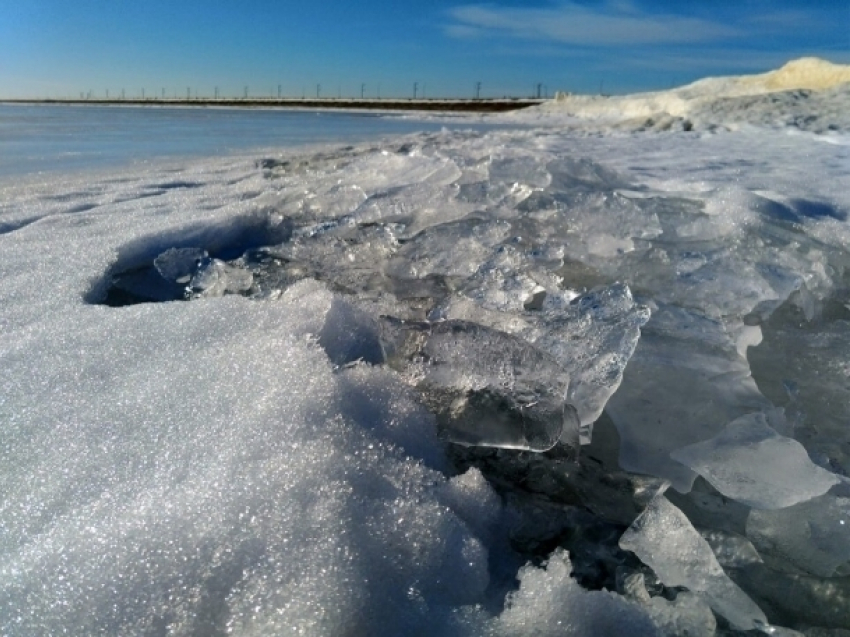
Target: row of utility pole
(418, 92)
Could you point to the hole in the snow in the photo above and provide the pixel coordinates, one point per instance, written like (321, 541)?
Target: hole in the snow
(175, 265)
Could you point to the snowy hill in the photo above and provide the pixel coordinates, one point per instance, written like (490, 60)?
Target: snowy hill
(809, 94)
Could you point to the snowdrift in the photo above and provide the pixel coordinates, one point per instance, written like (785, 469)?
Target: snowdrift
(808, 94)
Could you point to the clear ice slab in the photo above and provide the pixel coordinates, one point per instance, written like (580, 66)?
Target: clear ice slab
(591, 336)
(812, 535)
(665, 540)
(685, 381)
(751, 463)
(486, 387)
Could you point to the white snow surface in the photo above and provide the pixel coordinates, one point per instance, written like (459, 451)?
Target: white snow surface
(252, 466)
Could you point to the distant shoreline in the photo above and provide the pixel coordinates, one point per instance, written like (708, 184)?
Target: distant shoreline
(387, 104)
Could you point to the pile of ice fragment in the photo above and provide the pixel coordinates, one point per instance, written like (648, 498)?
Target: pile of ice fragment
(532, 270)
(253, 466)
(536, 362)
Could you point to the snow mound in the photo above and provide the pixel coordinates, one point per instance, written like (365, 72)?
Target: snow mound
(809, 94)
(812, 73)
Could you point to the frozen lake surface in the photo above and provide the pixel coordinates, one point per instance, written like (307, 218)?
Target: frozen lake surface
(576, 379)
(49, 138)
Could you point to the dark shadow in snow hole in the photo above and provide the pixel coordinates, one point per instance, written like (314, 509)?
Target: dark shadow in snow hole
(136, 278)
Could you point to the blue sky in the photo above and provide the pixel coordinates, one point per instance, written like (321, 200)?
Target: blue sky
(55, 48)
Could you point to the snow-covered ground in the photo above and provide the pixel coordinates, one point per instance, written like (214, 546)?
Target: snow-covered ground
(571, 379)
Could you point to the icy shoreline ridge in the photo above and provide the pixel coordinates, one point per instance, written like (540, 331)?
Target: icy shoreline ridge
(533, 381)
(808, 93)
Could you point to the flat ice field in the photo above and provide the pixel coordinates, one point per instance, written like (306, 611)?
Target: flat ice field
(570, 379)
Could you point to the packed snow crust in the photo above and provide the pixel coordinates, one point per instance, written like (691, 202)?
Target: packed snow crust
(433, 385)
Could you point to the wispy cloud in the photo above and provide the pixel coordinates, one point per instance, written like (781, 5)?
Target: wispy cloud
(610, 24)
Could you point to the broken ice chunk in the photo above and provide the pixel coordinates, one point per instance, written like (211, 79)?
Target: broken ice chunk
(813, 535)
(751, 463)
(179, 264)
(688, 614)
(216, 278)
(449, 249)
(683, 384)
(525, 170)
(593, 337)
(664, 539)
(486, 387)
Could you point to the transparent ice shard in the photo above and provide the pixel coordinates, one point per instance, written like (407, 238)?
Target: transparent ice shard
(449, 249)
(591, 336)
(805, 365)
(524, 170)
(571, 174)
(179, 264)
(215, 278)
(813, 535)
(751, 463)
(688, 614)
(486, 387)
(664, 539)
(685, 381)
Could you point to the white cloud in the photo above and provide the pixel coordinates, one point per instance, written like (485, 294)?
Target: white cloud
(614, 23)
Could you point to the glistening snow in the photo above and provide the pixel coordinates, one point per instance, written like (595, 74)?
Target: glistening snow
(271, 456)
